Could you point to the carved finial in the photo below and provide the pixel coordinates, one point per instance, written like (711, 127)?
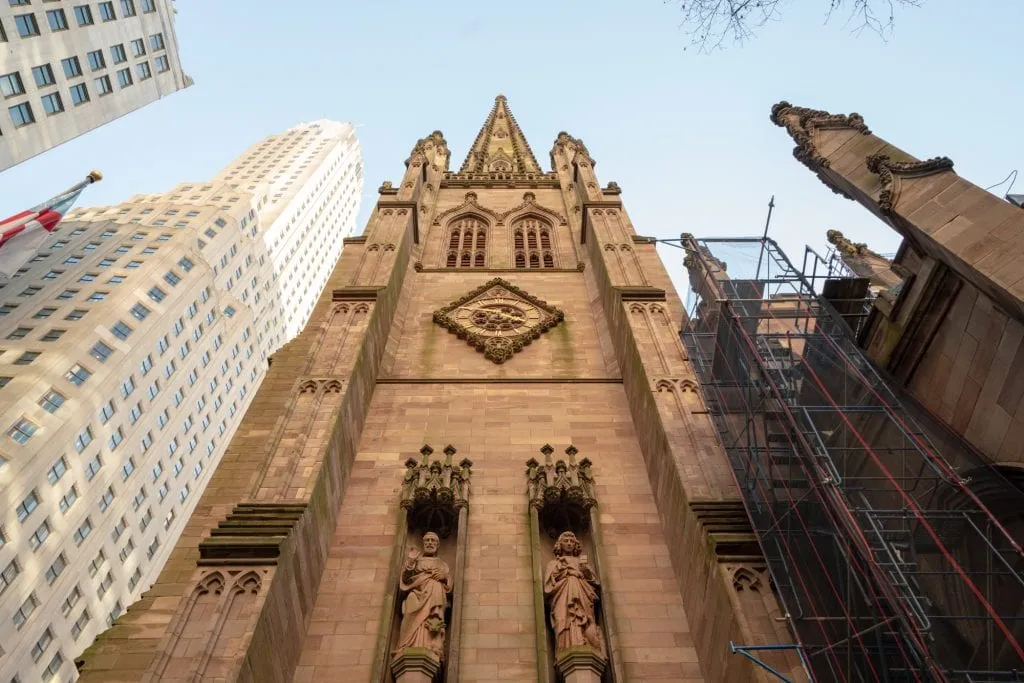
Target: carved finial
(426, 451)
(546, 449)
(500, 98)
(471, 196)
(465, 463)
(571, 450)
(410, 463)
(532, 462)
(529, 196)
(449, 450)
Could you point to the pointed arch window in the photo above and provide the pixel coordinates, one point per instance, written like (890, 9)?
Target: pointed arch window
(467, 243)
(531, 240)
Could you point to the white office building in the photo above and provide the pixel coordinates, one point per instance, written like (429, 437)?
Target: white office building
(130, 348)
(69, 66)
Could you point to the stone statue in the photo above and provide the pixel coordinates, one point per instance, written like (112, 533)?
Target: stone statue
(425, 583)
(571, 589)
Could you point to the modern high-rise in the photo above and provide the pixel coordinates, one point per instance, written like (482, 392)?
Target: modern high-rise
(66, 68)
(130, 347)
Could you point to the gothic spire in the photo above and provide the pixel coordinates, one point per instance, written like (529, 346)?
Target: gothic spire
(500, 146)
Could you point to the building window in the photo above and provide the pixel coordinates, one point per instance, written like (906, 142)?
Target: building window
(101, 352)
(57, 20)
(138, 47)
(21, 114)
(93, 467)
(128, 8)
(44, 642)
(82, 532)
(96, 60)
(148, 5)
(186, 264)
(104, 88)
(9, 574)
(53, 335)
(107, 11)
(76, 314)
(126, 471)
(58, 470)
(135, 413)
(107, 412)
(52, 103)
(162, 64)
(115, 439)
(121, 330)
(117, 53)
(79, 94)
(143, 70)
(83, 15)
(43, 75)
(27, 26)
(97, 296)
(124, 77)
(53, 668)
(133, 264)
(11, 85)
(51, 401)
(68, 499)
(127, 387)
(29, 356)
(532, 244)
(40, 535)
(172, 278)
(156, 294)
(22, 431)
(80, 624)
(27, 506)
(72, 67)
(106, 499)
(83, 439)
(19, 333)
(56, 569)
(69, 603)
(139, 312)
(25, 611)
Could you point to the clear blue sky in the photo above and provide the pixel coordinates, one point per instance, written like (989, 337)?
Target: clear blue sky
(686, 135)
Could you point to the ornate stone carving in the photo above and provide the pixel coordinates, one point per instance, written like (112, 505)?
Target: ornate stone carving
(386, 188)
(529, 203)
(507, 133)
(425, 584)
(433, 492)
(571, 590)
(469, 205)
(613, 188)
(562, 491)
(801, 123)
(252, 534)
(498, 319)
(887, 170)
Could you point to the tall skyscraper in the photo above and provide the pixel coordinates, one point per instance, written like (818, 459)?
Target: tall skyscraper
(130, 347)
(66, 69)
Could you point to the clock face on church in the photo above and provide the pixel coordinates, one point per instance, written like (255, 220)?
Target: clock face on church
(498, 319)
(498, 316)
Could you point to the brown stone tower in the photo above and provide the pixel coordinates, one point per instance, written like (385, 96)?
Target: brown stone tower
(483, 315)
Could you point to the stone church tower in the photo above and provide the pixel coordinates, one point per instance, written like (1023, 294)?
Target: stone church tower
(485, 458)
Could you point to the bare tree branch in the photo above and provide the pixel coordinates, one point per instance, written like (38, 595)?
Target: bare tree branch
(715, 24)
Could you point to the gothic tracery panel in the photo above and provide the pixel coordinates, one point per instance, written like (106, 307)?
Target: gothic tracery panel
(467, 243)
(532, 243)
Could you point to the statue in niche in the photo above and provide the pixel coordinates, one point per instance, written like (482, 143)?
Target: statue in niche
(426, 582)
(571, 589)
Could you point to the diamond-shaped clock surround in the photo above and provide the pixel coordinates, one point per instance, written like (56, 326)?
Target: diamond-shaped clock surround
(499, 347)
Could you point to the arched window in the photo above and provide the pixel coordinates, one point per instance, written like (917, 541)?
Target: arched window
(531, 238)
(467, 243)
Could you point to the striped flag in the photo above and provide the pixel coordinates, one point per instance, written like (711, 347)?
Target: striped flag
(23, 234)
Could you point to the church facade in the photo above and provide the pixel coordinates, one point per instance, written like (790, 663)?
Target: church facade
(484, 458)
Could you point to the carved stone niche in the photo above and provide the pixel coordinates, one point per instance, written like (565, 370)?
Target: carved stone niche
(576, 631)
(421, 625)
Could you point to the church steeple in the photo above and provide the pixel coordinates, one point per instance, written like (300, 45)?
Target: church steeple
(500, 146)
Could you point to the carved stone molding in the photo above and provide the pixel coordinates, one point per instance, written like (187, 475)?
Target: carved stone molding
(801, 122)
(468, 205)
(888, 170)
(320, 385)
(498, 319)
(252, 534)
(355, 294)
(434, 492)
(529, 203)
(752, 578)
(562, 491)
(387, 188)
(641, 293)
(727, 526)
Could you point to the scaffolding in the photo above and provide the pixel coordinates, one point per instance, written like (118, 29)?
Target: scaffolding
(890, 542)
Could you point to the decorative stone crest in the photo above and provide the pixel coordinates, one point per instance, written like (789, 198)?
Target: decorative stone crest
(498, 319)
(886, 169)
(433, 492)
(562, 491)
